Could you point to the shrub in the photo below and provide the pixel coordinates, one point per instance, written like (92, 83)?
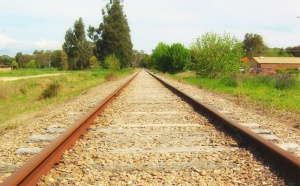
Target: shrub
(229, 81)
(266, 79)
(110, 76)
(51, 90)
(284, 81)
(112, 62)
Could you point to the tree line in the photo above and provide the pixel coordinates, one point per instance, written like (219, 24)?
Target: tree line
(213, 55)
(110, 46)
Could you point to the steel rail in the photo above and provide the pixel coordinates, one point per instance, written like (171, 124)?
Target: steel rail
(41, 163)
(283, 160)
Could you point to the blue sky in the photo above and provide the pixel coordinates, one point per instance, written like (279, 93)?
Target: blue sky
(31, 25)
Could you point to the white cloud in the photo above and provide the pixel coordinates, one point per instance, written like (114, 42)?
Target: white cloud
(11, 46)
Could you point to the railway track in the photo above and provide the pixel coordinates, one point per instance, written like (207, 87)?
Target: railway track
(147, 136)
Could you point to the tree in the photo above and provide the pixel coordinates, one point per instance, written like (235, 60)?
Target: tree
(295, 51)
(15, 65)
(6, 60)
(22, 60)
(160, 57)
(113, 35)
(137, 58)
(31, 64)
(254, 45)
(42, 58)
(63, 61)
(215, 55)
(180, 58)
(76, 46)
(59, 59)
(277, 52)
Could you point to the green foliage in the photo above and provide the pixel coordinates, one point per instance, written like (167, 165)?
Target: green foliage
(6, 60)
(229, 81)
(171, 59)
(42, 58)
(259, 88)
(31, 64)
(112, 62)
(113, 35)
(180, 58)
(295, 51)
(94, 63)
(51, 90)
(254, 45)
(77, 48)
(277, 52)
(216, 56)
(284, 81)
(22, 60)
(160, 57)
(15, 65)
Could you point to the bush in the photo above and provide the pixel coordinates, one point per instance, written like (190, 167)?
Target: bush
(110, 76)
(112, 62)
(266, 79)
(284, 81)
(229, 81)
(51, 90)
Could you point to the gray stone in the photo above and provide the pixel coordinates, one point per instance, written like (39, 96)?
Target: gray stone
(262, 131)
(271, 137)
(289, 146)
(41, 138)
(250, 125)
(33, 150)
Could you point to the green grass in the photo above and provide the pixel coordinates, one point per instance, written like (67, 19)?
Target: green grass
(259, 88)
(30, 72)
(22, 96)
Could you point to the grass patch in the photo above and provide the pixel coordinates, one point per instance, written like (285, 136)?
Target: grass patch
(31, 95)
(30, 72)
(280, 91)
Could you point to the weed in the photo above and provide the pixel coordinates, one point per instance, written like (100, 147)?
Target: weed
(3, 94)
(229, 81)
(266, 79)
(110, 76)
(284, 81)
(51, 90)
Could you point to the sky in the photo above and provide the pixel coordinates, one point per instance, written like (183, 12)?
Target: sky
(31, 25)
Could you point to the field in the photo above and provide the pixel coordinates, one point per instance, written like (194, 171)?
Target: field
(268, 91)
(30, 95)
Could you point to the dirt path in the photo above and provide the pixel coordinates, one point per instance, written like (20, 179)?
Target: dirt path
(26, 77)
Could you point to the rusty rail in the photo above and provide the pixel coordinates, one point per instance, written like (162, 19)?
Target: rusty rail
(287, 163)
(41, 163)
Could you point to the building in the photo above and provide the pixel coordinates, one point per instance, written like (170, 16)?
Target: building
(275, 62)
(4, 68)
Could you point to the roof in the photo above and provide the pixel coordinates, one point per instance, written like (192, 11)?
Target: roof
(278, 60)
(245, 59)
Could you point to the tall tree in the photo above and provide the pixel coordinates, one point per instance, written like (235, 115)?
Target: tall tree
(77, 47)
(23, 59)
(113, 35)
(59, 59)
(254, 45)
